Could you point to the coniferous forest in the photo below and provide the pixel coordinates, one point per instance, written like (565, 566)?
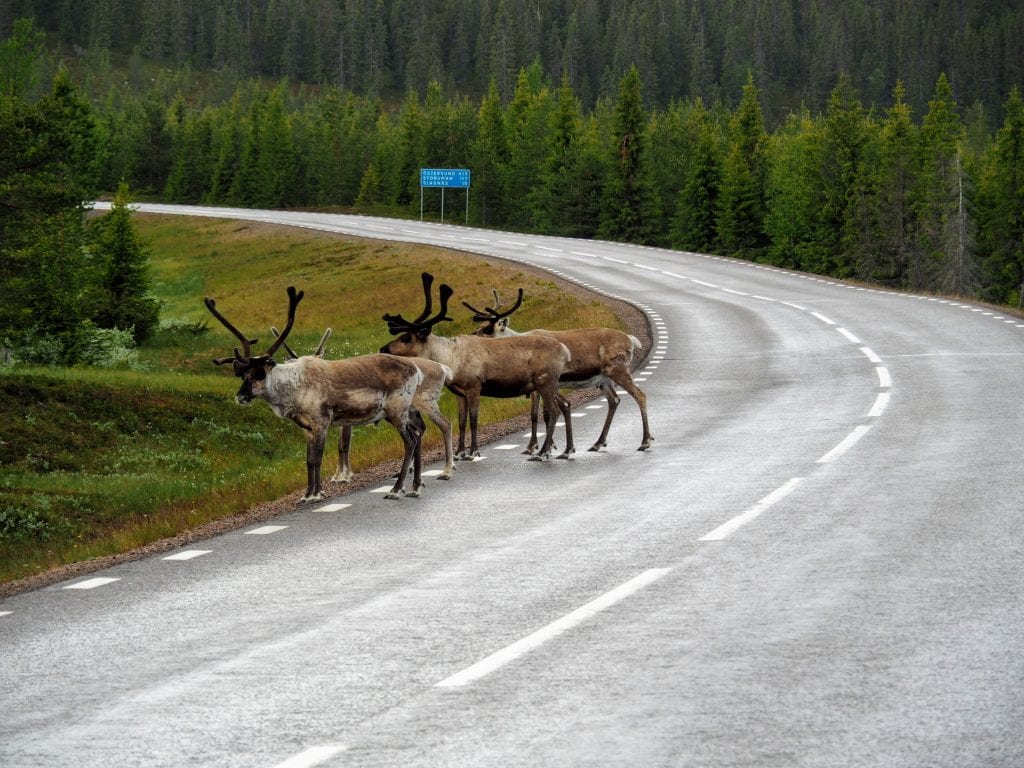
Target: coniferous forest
(876, 140)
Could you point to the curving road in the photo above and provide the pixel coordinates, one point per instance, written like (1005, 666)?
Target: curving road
(819, 563)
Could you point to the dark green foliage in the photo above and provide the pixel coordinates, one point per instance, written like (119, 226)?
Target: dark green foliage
(125, 300)
(629, 206)
(80, 436)
(1001, 208)
(844, 185)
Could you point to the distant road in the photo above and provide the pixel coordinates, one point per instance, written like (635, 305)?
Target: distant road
(818, 563)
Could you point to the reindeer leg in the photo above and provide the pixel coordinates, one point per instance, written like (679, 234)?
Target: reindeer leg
(420, 427)
(613, 403)
(550, 418)
(563, 406)
(463, 416)
(474, 413)
(624, 380)
(344, 473)
(316, 436)
(407, 430)
(445, 426)
(531, 447)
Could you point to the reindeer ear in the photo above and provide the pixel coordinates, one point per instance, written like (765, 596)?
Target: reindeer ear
(503, 324)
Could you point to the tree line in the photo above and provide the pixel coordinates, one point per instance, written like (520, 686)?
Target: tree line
(926, 203)
(795, 49)
(930, 201)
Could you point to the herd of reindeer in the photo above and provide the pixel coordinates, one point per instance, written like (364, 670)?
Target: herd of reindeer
(405, 379)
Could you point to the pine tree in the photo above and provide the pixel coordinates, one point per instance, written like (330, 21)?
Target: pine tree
(629, 207)
(946, 260)
(1002, 206)
(528, 121)
(893, 253)
(741, 201)
(793, 197)
(127, 302)
(489, 160)
(694, 227)
(842, 178)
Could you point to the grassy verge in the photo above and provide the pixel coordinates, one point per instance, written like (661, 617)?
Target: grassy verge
(98, 462)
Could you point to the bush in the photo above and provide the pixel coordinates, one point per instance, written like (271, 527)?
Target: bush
(30, 520)
(109, 348)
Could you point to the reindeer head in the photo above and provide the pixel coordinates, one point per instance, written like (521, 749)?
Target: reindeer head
(493, 323)
(251, 369)
(413, 334)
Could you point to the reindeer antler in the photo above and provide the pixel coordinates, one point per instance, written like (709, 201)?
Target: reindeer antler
(492, 315)
(294, 297)
(291, 352)
(246, 342)
(398, 324)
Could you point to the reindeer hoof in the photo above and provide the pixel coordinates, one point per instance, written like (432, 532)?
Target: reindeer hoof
(394, 494)
(309, 499)
(540, 457)
(567, 456)
(599, 446)
(413, 494)
(340, 478)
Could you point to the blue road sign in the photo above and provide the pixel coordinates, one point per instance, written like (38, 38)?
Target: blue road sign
(444, 177)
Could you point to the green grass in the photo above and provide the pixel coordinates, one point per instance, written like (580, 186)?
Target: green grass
(97, 462)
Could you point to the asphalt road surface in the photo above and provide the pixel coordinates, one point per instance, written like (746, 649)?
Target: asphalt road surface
(818, 563)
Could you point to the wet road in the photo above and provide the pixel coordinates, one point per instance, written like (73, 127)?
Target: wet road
(818, 563)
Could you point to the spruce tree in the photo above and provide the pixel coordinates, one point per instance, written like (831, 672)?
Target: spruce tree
(126, 299)
(489, 160)
(897, 171)
(793, 197)
(629, 207)
(944, 226)
(741, 198)
(1002, 207)
(694, 227)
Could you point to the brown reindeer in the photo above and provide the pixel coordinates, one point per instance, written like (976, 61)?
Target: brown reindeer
(428, 393)
(487, 367)
(601, 357)
(314, 393)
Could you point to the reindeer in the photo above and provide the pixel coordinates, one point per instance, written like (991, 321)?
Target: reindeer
(601, 358)
(435, 377)
(314, 393)
(489, 367)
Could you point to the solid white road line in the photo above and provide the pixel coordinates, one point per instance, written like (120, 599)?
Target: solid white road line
(531, 642)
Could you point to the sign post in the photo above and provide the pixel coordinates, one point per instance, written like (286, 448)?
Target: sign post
(445, 178)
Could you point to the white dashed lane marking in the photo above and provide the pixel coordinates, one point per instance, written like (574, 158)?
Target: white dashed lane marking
(266, 529)
(188, 554)
(99, 581)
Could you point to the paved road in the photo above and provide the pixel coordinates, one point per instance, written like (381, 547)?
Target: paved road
(819, 563)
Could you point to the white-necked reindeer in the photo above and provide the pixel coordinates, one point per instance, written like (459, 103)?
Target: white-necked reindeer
(314, 393)
(487, 367)
(601, 357)
(428, 393)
